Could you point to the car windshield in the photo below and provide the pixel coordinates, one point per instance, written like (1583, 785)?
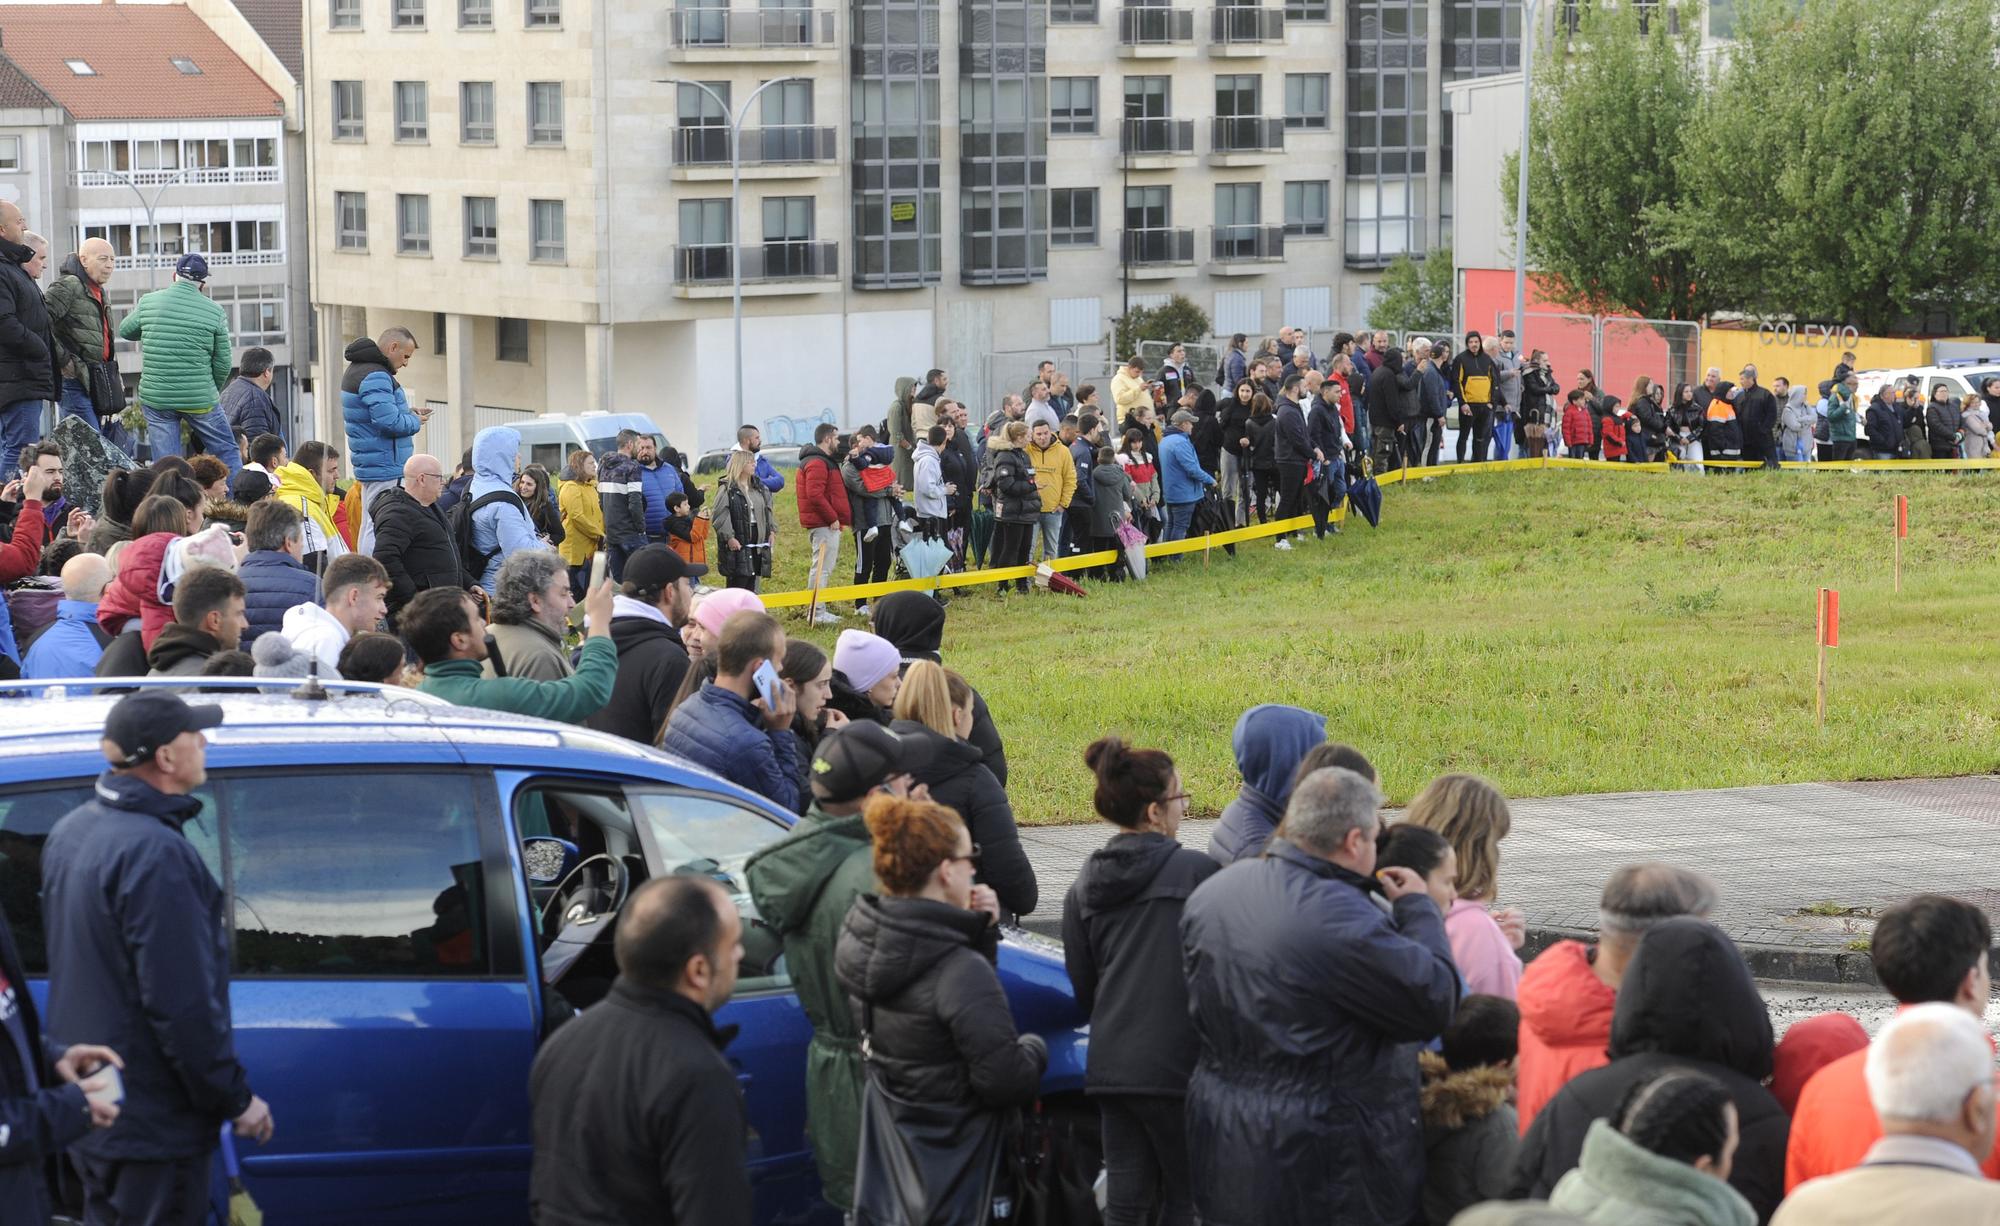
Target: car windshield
(706, 834)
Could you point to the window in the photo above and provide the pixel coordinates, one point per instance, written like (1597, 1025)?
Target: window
(349, 121)
(1305, 100)
(81, 68)
(475, 14)
(545, 113)
(413, 225)
(439, 333)
(705, 241)
(1072, 12)
(482, 227)
(1308, 10)
(406, 15)
(1305, 210)
(703, 134)
(475, 112)
(350, 210)
(550, 224)
(185, 66)
(25, 821)
(343, 14)
(717, 837)
(510, 340)
(544, 14)
(1073, 105)
(413, 111)
(255, 153)
(1072, 217)
(10, 153)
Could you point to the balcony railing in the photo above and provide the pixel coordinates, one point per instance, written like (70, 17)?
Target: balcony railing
(153, 178)
(1149, 26)
(773, 146)
(216, 259)
(1246, 134)
(1246, 244)
(762, 263)
(695, 29)
(1159, 137)
(1157, 245)
(1232, 25)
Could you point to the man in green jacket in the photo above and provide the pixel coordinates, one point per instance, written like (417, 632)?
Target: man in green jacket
(803, 886)
(448, 632)
(184, 343)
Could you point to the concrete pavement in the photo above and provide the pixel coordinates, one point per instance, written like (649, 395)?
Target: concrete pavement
(1803, 868)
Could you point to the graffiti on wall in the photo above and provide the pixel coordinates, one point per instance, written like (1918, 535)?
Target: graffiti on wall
(794, 431)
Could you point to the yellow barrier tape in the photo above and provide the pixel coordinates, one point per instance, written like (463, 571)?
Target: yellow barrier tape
(1194, 544)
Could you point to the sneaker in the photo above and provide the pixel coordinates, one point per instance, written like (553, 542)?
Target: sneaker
(871, 534)
(1282, 544)
(826, 617)
(861, 611)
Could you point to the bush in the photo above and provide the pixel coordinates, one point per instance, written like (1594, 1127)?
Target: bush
(1178, 320)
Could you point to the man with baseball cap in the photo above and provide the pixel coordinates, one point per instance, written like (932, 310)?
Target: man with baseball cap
(184, 340)
(139, 961)
(803, 886)
(646, 616)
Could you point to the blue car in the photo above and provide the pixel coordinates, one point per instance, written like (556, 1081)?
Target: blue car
(393, 937)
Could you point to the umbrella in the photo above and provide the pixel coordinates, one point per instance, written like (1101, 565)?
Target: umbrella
(1211, 517)
(981, 535)
(1366, 494)
(925, 556)
(1049, 577)
(1133, 542)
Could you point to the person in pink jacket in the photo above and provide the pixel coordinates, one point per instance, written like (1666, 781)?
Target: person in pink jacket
(1473, 817)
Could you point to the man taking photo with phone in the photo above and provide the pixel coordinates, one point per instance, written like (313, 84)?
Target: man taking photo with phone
(736, 727)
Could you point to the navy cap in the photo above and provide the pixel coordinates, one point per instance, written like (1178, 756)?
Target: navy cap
(193, 267)
(143, 721)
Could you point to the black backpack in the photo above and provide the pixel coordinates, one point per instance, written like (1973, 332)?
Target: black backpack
(474, 559)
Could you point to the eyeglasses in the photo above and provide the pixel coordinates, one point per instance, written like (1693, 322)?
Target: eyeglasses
(971, 857)
(1167, 800)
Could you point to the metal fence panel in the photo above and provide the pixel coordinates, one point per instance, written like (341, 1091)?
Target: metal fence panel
(1010, 370)
(1666, 350)
(1569, 340)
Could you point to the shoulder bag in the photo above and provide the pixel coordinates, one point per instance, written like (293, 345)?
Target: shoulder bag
(923, 1164)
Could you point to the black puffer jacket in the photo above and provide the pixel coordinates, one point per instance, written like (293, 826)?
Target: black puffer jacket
(1687, 1000)
(1121, 932)
(413, 544)
(940, 1030)
(30, 368)
(1885, 427)
(960, 782)
(1387, 388)
(914, 622)
(1016, 500)
(854, 704)
(651, 664)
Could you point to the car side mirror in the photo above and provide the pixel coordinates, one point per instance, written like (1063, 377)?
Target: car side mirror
(548, 859)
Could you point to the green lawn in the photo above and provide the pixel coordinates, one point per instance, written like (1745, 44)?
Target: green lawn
(1559, 632)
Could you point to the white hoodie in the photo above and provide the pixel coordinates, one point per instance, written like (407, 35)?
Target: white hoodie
(313, 629)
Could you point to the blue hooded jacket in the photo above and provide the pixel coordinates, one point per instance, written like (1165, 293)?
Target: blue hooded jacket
(1269, 742)
(498, 525)
(381, 426)
(69, 647)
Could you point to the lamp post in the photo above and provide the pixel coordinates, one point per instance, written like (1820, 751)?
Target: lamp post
(735, 209)
(1529, 28)
(150, 205)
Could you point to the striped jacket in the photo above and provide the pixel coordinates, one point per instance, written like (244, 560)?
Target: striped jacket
(621, 488)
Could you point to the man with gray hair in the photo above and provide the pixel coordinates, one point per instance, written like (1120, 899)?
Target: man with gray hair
(1309, 975)
(1567, 994)
(1930, 1080)
(529, 617)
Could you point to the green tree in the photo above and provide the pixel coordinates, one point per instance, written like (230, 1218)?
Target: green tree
(1611, 105)
(1177, 319)
(1844, 165)
(1415, 295)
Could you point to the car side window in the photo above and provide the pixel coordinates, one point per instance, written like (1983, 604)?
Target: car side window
(714, 837)
(353, 875)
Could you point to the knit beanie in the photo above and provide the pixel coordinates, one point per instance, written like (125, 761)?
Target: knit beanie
(864, 658)
(277, 657)
(716, 608)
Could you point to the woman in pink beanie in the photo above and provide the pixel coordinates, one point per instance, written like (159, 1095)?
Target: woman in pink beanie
(711, 612)
(867, 672)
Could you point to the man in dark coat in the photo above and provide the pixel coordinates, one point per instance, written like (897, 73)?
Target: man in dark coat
(412, 540)
(1387, 387)
(1757, 415)
(1310, 983)
(646, 616)
(30, 367)
(274, 578)
(139, 962)
(637, 1115)
(246, 399)
(1686, 1000)
(1885, 424)
(914, 623)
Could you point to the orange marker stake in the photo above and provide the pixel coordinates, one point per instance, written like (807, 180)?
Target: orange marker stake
(1902, 530)
(1829, 636)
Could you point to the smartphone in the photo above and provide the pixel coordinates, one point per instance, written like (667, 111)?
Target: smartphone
(109, 1085)
(769, 684)
(598, 562)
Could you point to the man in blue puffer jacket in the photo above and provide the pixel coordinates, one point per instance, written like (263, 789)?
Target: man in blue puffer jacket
(658, 481)
(1269, 742)
(501, 527)
(380, 422)
(726, 727)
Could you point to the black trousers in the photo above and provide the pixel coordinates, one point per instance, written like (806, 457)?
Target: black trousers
(150, 1193)
(1145, 1161)
(872, 558)
(1291, 491)
(1269, 492)
(1115, 572)
(1844, 450)
(1076, 528)
(1010, 548)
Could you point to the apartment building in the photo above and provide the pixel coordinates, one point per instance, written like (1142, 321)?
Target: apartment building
(541, 190)
(144, 125)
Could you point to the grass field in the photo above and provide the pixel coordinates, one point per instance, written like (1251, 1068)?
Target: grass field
(1559, 632)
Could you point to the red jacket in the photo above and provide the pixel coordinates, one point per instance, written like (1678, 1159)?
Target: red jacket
(1565, 1024)
(1614, 436)
(822, 494)
(136, 590)
(20, 556)
(1578, 428)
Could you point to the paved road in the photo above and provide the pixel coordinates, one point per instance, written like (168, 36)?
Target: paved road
(1802, 867)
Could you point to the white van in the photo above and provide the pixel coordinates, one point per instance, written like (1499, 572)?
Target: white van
(1964, 377)
(547, 440)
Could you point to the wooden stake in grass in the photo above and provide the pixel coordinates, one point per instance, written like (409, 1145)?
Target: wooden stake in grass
(819, 557)
(1902, 530)
(1829, 636)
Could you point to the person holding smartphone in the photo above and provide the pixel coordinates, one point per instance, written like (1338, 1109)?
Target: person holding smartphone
(740, 724)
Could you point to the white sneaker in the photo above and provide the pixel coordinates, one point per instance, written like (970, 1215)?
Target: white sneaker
(871, 534)
(826, 617)
(861, 611)
(1282, 544)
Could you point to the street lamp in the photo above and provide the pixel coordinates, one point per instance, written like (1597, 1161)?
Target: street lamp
(151, 206)
(1529, 28)
(735, 209)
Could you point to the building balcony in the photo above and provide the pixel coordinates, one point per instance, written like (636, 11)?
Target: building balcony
(780, 152)
(769, 269)
(1244, 140)
(1150, 32)
(1155, 253)
(119, 179)
(216, 259)
(1241, 251)
(1155, 144)
(766, 36)
(1241, 30)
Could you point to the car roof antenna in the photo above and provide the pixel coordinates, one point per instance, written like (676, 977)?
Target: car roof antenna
(310, 689)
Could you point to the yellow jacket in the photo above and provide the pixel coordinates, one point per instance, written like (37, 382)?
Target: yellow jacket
(583, 521)
(298, 489)
(1055, 471)
(1129, 394)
